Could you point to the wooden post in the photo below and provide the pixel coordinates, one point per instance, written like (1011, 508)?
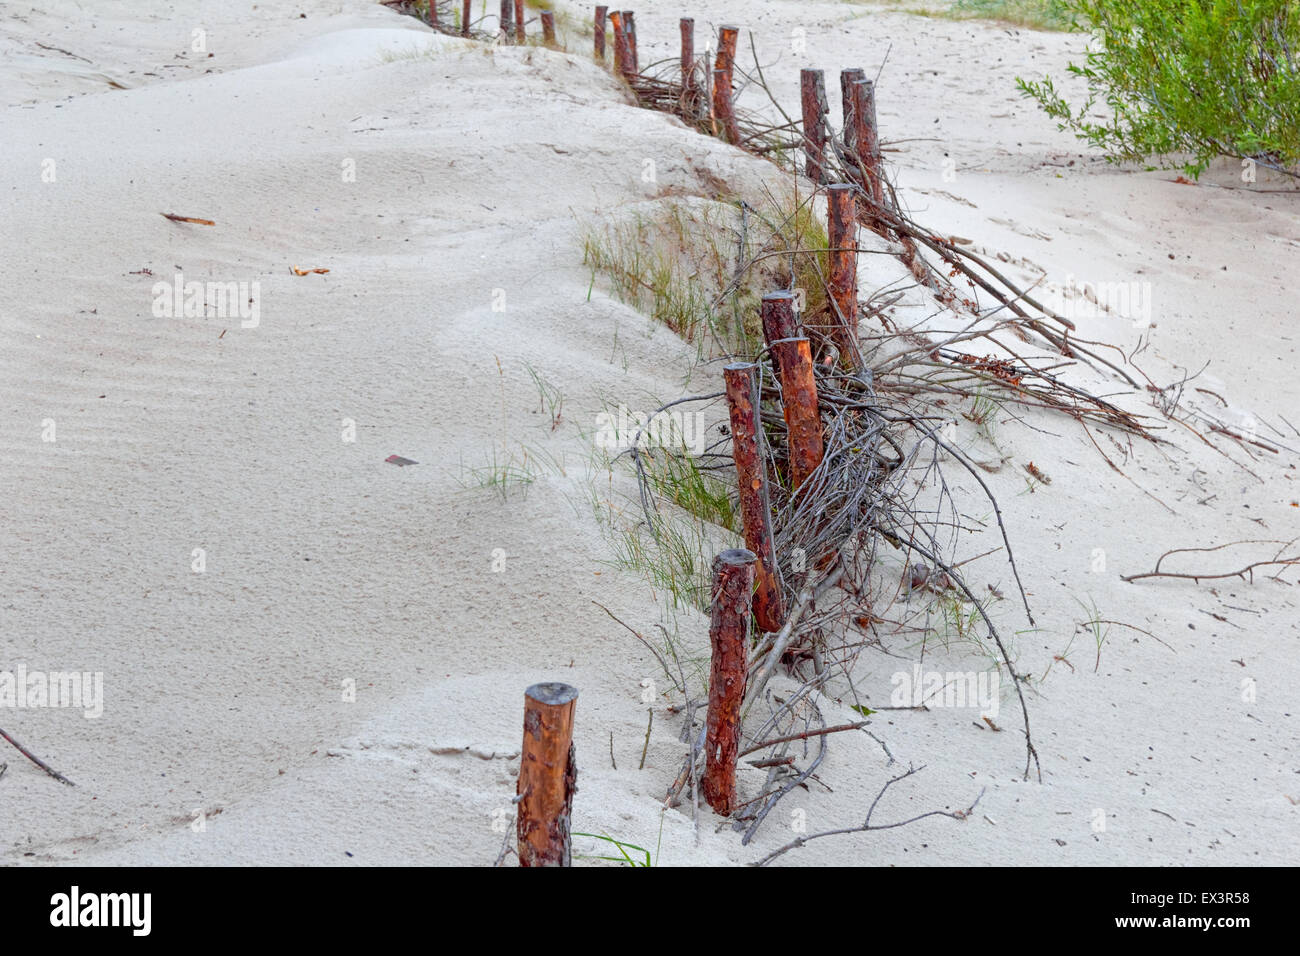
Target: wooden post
(803, 423)
(507, 24)
(733, 583)
(866, 139)
(622, 51)
(812, 84)
(464, 17)
(724, 115)
(687, 25)
(755, 500)
(723, 68)
(432, 7)
(519, 22)
(841, 219)
(629, 27)
(602, 14)
(548, 27)
(847, 79)
(779, 320)
(547, 776)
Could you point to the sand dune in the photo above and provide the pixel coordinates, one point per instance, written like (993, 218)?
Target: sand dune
(215, 529)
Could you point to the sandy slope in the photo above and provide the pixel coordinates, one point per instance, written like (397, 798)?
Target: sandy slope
(474, 169)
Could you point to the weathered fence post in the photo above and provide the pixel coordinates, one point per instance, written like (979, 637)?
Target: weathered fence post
(803, 424)
(506, 18)
(812, 85)
(755, 500)
(733, 584)
(687, 25)
(723, 68)
(866, 139)
(464, 17)
(847, 79)
(547, 776)
(779, 320)
(548, 27)
(519, 22)
(724, 113)
(841, 219)
(602, 14)
(622, 50)
(629, 26)
(432, 7)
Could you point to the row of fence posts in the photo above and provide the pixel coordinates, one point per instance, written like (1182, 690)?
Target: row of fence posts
(746, 581)
(511, 21)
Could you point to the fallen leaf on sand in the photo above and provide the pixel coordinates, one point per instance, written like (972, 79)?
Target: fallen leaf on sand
(307, 272)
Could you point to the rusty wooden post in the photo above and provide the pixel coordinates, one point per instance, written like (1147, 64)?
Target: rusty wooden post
(464, 17)
(812, 85)
(841, 220)
(866, 139)
(622, 51)
(755, 499)
(803, 423)
(602, 14)
(733, 585)
(687, 26)
(629, 27)
(847, 79)
(548, 27)
(506, 18)
(547, 776)
(519, 22)
(723, 67)
(779, 320)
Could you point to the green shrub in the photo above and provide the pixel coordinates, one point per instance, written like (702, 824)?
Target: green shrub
(1202, 78)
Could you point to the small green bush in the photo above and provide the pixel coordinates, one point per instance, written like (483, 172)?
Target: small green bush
(1202, 78)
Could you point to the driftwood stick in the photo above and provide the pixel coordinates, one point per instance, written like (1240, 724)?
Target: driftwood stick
(37, 760)
(868, 826)
(1276, 560)
(838, 728)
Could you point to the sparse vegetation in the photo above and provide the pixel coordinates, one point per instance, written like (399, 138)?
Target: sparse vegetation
(1185, 78)
(700, 266)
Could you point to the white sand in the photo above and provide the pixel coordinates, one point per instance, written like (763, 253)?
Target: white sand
(474, 169)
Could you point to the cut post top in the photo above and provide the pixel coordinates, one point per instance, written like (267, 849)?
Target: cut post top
(552, 693)
(736, 556)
